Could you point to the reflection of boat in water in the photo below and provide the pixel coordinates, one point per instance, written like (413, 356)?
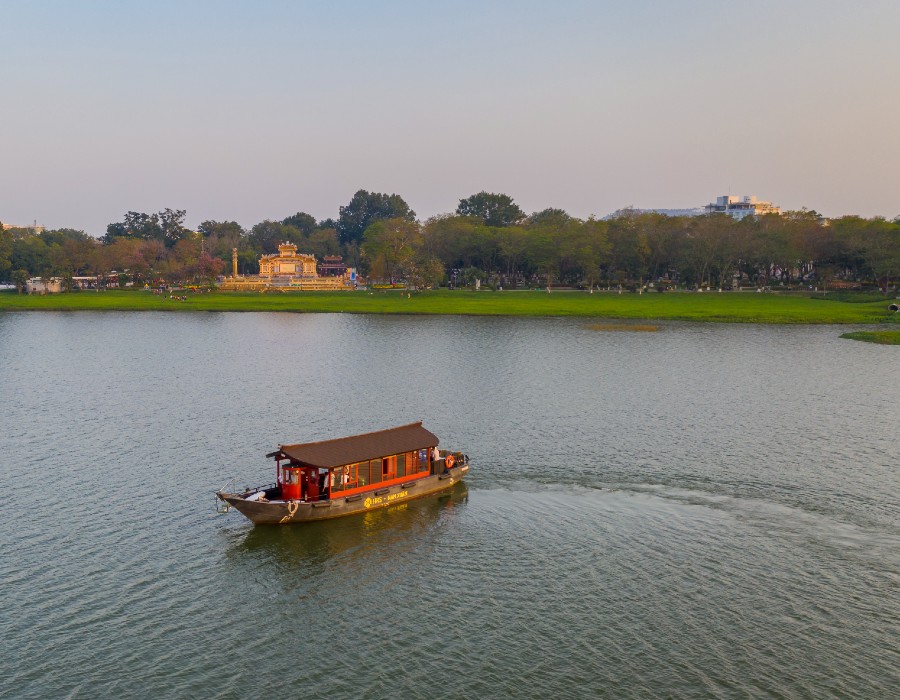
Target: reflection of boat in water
(332, 478)
(371, 536)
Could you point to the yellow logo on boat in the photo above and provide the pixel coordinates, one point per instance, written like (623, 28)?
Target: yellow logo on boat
(382, 500)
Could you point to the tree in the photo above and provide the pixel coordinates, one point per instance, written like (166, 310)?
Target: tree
(166, 226)
(448, 238)
(366, 208)
(114, 231)
(19, 278)
(208, 267)
(220, 238)
(493, 209)
(144, 259)
(180, 261)
(391, 246)
(266, 236)
(60, 235)
(396, 250)
(879, 245)
(322, 242)
(73, 257)
(512, 244)
(134, 225)
(544, 253)
(662, 235)
(700, 247)
(848, 238)
(301, 221)
(171, 223)
(32, 254)
(828, 251)
(70, 252)
(428, 271)
(628, 248)
(549, 217)
(222, 229)
(776, 246)
(120, 254)
(586, 247)
(6, 247)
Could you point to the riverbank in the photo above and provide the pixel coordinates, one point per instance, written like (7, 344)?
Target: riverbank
(733, 307)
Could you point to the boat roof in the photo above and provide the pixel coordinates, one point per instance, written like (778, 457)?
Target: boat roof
(358, 448)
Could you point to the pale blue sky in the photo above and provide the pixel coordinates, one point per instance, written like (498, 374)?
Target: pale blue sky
(252, 110)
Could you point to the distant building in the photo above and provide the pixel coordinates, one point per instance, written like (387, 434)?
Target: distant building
(31, 227)
(332, 266)
(292, 270)
(740, 207)
(287, 263)
(39, 285)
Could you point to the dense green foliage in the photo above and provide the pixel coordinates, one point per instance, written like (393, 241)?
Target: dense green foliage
(166, 227)
(365, 209)
(492, 209)
(742, 307)
(489, 240)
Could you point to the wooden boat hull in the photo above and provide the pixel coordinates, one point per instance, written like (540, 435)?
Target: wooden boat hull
(293, 512)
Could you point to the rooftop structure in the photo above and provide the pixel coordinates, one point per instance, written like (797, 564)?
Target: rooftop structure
(740, 207)
(32, 227)
(332, 266)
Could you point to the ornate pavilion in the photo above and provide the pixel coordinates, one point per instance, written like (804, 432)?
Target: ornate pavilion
(287, 270)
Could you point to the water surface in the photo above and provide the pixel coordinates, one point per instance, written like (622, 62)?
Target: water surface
(707, 511)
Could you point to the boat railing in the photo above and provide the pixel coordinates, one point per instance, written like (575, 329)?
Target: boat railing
(458, 457)
(250, 491)
(231, 487)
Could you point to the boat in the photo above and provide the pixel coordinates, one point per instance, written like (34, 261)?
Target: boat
(343, 476)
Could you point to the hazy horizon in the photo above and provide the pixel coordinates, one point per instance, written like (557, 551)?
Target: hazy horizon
(239, 111)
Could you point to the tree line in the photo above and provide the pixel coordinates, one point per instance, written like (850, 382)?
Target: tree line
(488, 238)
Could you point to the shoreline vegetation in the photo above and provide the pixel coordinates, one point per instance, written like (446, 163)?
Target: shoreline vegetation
(488, 241)
(726, 307)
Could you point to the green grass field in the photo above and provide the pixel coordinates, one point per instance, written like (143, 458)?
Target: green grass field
(878, 337)
(728, 307)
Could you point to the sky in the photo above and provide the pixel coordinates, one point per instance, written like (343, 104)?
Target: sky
(247, 111)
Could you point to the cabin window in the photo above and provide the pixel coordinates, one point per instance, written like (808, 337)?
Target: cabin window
(401, 465)
(326, 480)
(337, 479)
(375, 471)
(388, 468)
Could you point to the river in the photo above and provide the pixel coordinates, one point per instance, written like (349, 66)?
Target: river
(706, 511)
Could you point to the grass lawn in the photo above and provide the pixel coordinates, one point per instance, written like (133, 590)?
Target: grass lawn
(733, 307)
(879, 337)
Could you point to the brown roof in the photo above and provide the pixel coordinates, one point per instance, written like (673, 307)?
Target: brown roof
(357, 448)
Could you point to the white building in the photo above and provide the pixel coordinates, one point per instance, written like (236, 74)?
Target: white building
(39, 285)
(34, 227)
(739, 207)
